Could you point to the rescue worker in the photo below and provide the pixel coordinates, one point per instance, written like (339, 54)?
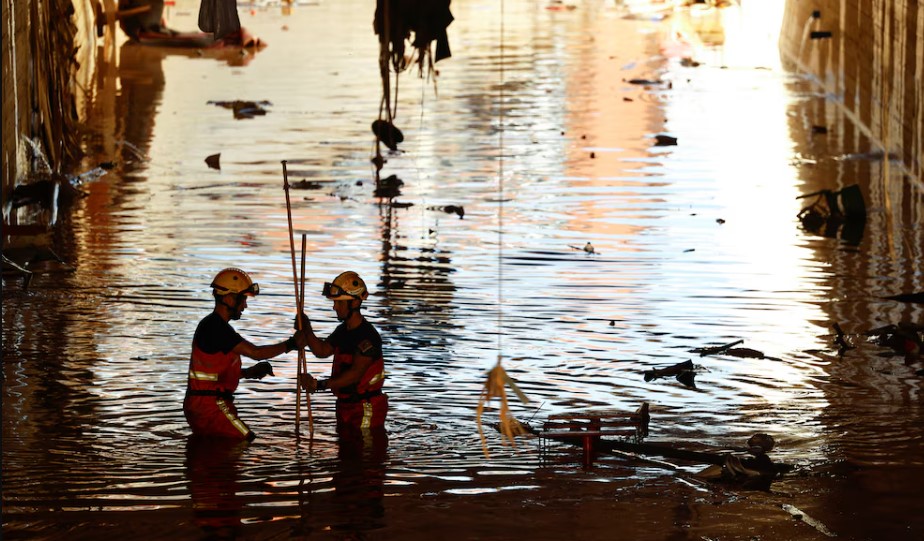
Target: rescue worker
(215, 364)
(358, 368)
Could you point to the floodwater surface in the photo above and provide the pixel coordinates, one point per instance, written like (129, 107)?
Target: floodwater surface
(534, 140)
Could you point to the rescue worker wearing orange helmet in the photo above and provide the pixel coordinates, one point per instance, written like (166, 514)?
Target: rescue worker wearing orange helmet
(358, 367)
(215, 364)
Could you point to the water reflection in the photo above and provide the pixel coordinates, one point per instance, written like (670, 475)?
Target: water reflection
(212, 472)
(359, 482)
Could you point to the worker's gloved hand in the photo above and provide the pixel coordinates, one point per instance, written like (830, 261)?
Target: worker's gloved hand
(309, 383)
(305, 322)
(258, 371)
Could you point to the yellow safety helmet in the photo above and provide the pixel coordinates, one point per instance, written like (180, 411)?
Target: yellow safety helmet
(347, 285)
(235, 282)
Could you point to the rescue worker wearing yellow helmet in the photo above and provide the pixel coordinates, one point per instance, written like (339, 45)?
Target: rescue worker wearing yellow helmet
(215, 364)
(358, 367)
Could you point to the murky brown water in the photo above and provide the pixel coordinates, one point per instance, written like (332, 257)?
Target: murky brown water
(94, 362)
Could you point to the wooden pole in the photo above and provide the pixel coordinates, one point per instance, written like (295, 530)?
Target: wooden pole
(298, 302)
(302, 363)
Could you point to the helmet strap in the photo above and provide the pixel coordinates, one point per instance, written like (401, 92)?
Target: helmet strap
(351, 310)
(235, 309)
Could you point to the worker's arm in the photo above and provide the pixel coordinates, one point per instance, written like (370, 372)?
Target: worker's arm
(361, 363)
(320, 348)
(259, 353)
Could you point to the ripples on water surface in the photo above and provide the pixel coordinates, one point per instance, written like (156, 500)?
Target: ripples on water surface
(697, 244)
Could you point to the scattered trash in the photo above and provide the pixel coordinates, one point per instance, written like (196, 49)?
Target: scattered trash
(47, 193)
(587, 429)
(305, 185)
(588, 248)
(839, 341)
(213, 161)
(756, 471)
(644, 82)
(559, 5)
(908, 297)
(800, 515)
(688, 62)
(450, 209)
(665, 141)
(34, 260)
(905, 339)
(387, 133)
(732, 351)
(11, 268)
(841, 211)
(243, 109)
(714, 350)
(682, 372)
(388, 187)
(873, 156)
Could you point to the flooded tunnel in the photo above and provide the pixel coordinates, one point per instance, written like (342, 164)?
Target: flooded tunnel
(683, 141)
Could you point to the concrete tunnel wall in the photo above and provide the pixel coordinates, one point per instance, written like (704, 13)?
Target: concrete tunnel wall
(868, 55)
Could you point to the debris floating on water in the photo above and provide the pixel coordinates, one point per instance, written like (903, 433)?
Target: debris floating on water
(682, 372)
(213, 161)
(389, 187)
(588, 248)
(387, 133)
(665, 140)
(243, 109)
(908, 297)
(450, 209)
(798, 514)
(731, 351)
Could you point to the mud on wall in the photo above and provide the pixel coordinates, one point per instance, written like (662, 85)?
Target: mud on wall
(41, 55)
(869, 56)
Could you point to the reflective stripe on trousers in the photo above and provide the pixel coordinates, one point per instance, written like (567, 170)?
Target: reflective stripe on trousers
(223, 406)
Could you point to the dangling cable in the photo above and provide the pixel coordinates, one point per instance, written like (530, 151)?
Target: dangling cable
(500, 195)
(498, 379)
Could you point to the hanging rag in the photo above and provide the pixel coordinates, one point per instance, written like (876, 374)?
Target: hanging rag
(219, 17)
(427, 20)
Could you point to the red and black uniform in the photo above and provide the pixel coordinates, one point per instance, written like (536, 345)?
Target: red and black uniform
(214, 372)
(361, 405)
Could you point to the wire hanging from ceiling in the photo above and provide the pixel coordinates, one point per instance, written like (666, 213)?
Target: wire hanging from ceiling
(495, 386)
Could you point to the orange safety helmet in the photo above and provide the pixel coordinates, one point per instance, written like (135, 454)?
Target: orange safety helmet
(347, 285)
(234, 282)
